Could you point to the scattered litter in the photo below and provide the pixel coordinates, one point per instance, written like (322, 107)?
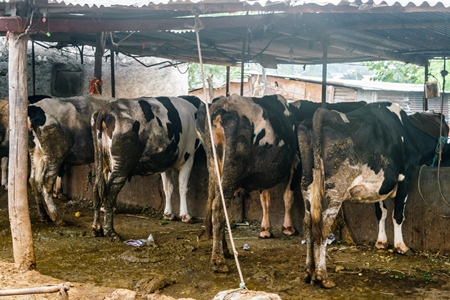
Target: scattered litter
(303, 242)
(246, 247)
(137, 243)
(77, 214)
(330, 238)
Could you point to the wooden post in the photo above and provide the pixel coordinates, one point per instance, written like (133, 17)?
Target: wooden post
(19, 216)
(99, 49)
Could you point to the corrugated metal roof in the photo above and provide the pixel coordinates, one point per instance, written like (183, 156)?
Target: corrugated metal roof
(140, 3)
(283, 31)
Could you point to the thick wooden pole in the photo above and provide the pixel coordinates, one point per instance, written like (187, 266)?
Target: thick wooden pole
(19, 216)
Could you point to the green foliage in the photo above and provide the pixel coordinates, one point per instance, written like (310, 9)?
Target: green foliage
(219, 74)
(393, 71)
(352, 74)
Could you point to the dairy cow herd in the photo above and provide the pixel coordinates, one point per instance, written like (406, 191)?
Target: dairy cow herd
(342, 152)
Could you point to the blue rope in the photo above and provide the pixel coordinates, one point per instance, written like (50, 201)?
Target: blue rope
(442, 140)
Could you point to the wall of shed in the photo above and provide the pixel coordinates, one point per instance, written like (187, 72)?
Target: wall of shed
(290, 89)
(423, 229)
(132, 79)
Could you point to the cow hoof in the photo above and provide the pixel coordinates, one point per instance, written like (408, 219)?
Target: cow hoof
(44, 219)
(327, 284)
(266, 233)
(187, 219)
(307, 278)
(381, 245)
(403, 251)
(220, 268)
(60, 222)
(114, 237)
(98, 232)
(290, 231)
(169, 217)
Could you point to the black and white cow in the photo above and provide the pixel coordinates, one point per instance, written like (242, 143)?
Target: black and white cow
(367, 156)
(302, 110)
(256, 146)
(60, 134)
(4, 136)
(142, 136)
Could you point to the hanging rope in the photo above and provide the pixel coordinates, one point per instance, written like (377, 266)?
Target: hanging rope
(423, 198)
(441, 141)
(198, 27)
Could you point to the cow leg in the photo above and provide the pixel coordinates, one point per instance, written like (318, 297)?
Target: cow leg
(218, 233)
(98, 191)
(35, 173)
(168, 190)
(398, 218)
(266, 230)
(381, 212)
(50, 205)
(288, 226)
(320, 251)
(43, 216)
(4, 166)
(183, 179)
(114, 186)
(309, 267)
(288, 198)
(57, 191)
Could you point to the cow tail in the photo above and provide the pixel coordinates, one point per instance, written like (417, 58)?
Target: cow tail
(100, 184)
(208, 207)
(318, 185)
(219, 138)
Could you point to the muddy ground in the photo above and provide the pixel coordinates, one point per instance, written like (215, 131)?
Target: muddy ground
(178, 264)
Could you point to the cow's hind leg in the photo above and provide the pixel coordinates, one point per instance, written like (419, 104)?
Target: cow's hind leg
(183, 179)
(320, 250)
(4, 165)
(398, 218)
(113, 187)
(166, 178)
(266, 230)
(288, 198)
(381, 212)
(220, 248)
(98, 191)
(309, 265)
(47, 192)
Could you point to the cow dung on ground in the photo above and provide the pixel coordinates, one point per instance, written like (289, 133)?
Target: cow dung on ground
(178, 266)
